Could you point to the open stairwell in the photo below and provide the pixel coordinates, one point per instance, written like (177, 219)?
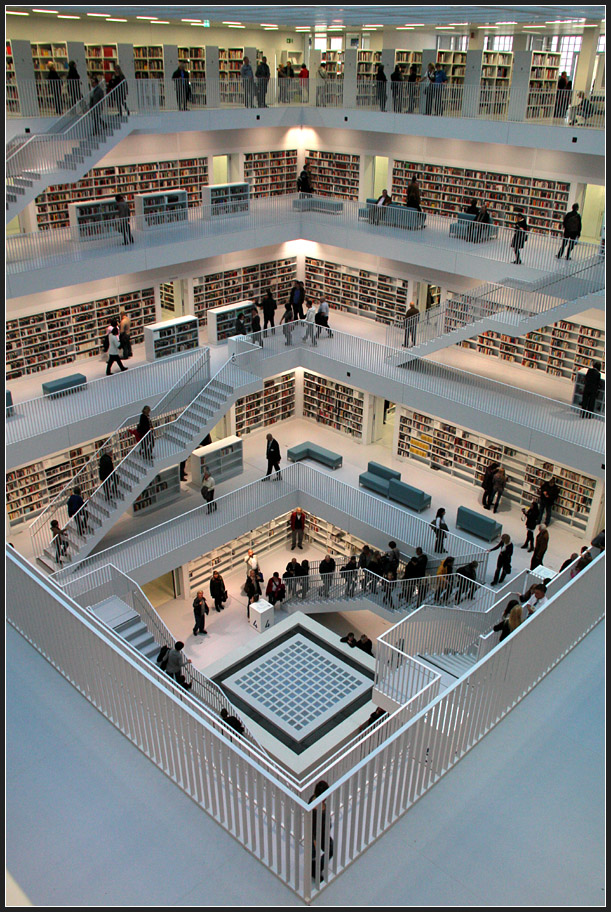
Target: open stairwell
(450, 665)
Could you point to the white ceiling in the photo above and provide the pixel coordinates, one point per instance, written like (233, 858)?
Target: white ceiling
(350, 16)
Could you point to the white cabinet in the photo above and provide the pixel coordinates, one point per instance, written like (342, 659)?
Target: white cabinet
(162, 490)
(169, 337)
(93, 220)
(225, 199)
(221, 320)
(223, 459)
(156, 209)
(261, 615)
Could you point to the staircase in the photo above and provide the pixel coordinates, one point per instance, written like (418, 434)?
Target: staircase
(72, 147)
(451, 665)
(172, 443)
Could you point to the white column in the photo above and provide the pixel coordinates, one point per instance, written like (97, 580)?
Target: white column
(472, 82)
(350, 70)
(24, 74)
(584, 71)
(212, 77)
(520, 81)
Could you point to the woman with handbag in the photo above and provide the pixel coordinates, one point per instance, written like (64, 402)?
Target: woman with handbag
(252, 588)
(146, 434)
(217, 590)
(531, 518)
(115, 352)
(519, 234)
(439, 527)
(503, 564)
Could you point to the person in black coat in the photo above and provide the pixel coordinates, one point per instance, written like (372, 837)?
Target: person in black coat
(350, 571)
(119, 82)
(572, 231)
(365, 644)
(297, 297)
(548, 495)
(255, 325)
(217, 590)
(73, 84)
(148, 440)
(487, 484)
(381, 87)
(182, 86)
(466, 584)
(106, 469)
(272, 452)
(240, 328)
(200, 610)
(472, 208)
(591, 385)
(268, 304)
(252, 588)
(512, 618)
(519, 235)
(55, 86)
(396, 78)
(75, 502)
(304, 181)
(531, 517)
(326, 568)
(503, 564)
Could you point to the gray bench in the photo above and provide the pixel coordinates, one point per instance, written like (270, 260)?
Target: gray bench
(466, 228)
(310, 450)
(477, 524)
(377, 477)
(315, 204)
(9, 404)
(393, 214)
(410, 497)
(70, 384)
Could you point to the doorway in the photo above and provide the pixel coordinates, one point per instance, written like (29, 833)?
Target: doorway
(160, 590)
(220, 169)
(427, 296)
(592, 212)
(383, 422)
(380, 175)
(172, 299)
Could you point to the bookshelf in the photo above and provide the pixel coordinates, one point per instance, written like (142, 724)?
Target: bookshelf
(448, 190)
(51, 52)
(225, 199)
(406, 58)
(93, 220)
(369, 294)
(599, 403)
(233, 285)
(47, 340)
(334, 61)
(100, 60)
(275, 402)
(148, 62)
(164, 489)
(12, 94)
(188, 174)
(223, 459)
(544, 71)
(194, 60)
(465, 455)
(271, 173)
(454, 65)
(334, 173)
(166, 296)
(154, 210)
(366, 69)
(230, 63)
(221, 320)
(333, 404)
(170, 337)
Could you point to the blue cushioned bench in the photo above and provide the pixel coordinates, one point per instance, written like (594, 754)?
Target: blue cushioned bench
(308, 450)
(478, 524)
(466, 228)
(9, 404)
(313, 204)
(64, 385)
(410, 497)
(377, 477)
(394, 214)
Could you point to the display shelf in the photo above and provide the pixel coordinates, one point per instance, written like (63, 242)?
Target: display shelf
(170, 337)
(271, 173)
(223, 288)
(544, 71)
(465, 455)
(369, 294)
(448, 190)
(194, 60)
(454, 65)
(50, 52)
(333, 404)
(230, 63)
(275, 402)
(406, 58)
(225, 199)
(188, 174)
(221, 320)
(223, 459)
(100, 60)
(334, 61)
(153, 210)
(93, 220)
(334, 173)
(599, 402)
(495, 82)
(50, 339)
(164, 489)
(148, 62)
(560, 349)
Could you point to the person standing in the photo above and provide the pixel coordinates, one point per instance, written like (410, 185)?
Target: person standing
(298, 518)
(503, 564)
(487, 484)
(217, 590)
(248, 82)
(252, 563)
(240, 328)
(275, 590)
(413, 195)
(321, 86)
(572, 231)
(304, 82)
(76, 507)
(123, 218)
(322, 317)
(200, 610)
(304, 181)
(252, 588)
(146, 434)
(531, 517)
(591, 385)
(114, 351)
(429, 88)
(438, 87)
(535, 598)
(310, 318)
(519, 234)
(444, 582)
(541, 543)
(255, 326)
(287, 319)
(562, 96)
(472, 208)
(499, 481)
(268, 305)
(350, 572)
(326, 568)
(466, 583)
(207, 490)
(262, 75)
(412, 315)
(181, 86)
(107, 478)
(55, 87)
(412, 88)
(95, 97)
(125, 324)
(73, 84)
(119, 82)
(410, 575)
(396, 78)
(61, 541)
(176, 661)
(272, 453)
(296, 299)
(440, 528)
(381, 87)
(548, 495)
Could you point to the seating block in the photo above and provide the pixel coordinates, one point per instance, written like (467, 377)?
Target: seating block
(393, 214)
(483, 526)
(318, 205)
(374, 482)
(376, 469)
(309, 450)
(409, 496)
(466, 228)
(73, 383)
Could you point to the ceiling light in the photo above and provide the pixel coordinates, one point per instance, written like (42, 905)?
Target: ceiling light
(15, 13)
(377, 25)
(500, 23)
(534, 26)
(146, 17)
(99, 15)
(160, 22)
(446, 28)
(116, 20)
(405, 28)
(268, 25)
(236, 26)
(269, 28)
(466, 23)
(193, 21)
(68, 17)
(44, 11)
(414, 25)
(232, 23)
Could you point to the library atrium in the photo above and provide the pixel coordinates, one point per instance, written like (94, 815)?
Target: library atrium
(351, 261)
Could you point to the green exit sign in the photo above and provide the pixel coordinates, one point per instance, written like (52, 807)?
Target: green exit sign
(289, 40)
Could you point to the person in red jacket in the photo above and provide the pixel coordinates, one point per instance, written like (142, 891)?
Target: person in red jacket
(276, 590)
(297, 527)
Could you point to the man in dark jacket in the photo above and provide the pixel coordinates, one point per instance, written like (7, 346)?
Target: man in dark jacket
(365, 644)
(262, 77)
(272, 452)
(304, 181)
(326, 569)
(75, 502)
(200, 610)
(572, 231)
(232, 721)
(487, 484)
(591, 385)
(548, 495)
(96, 95)
(297, 298)
(466, 583)
(106, 469)
(182, 86)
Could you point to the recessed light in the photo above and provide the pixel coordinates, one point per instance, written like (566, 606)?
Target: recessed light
(99, 15)
(15, 13)
(192, 21)
(377, 25)
(146, 17)
(446, 28)
(116, 20)
(236, 26)
(268, 25)
(44, 11)
(499, 23)
(405, 28)
(68, 17)
(534, 26)
(466, 23)
(414, 25)
(232, 23)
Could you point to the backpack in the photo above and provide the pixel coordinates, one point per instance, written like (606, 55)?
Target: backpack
(162, 658)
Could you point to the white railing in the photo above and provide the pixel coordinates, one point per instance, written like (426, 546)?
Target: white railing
(264, 815)
(398, 675)
(565, 108)
(32, 417)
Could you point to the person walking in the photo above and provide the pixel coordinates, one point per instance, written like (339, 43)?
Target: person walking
(350, 572)
(176, 661)
(232, 721)
(499, 481)
(519, 234)
(95, 97)
(429, 88)
(322, 317)
(207, 490)
(466, 577)
(304, 181)
(572, 231)
(107, 478)
(396, 78)
(287, 319)
(310, 318)
(124, 334)
(200, 610)
(326, 568)
(217, 590)
(321, 86)
(487, 484)
(60, 538)
(562, 96)
(268, 305)
(410, 575)
(123, 218)
(119, 82)
(296, 299)
(503, 563)
(444, 581)
(55, 87)
(114, 351)
(182, 87)
(512, 618)
(76, 507)
(541, 543)
(531, 518)
(73, 84)
(438, 87)
(146, 434)
(381, 87)
(262, 75)
(272, 454)
(548, 495)
(248, 82)
(252, 588)
(412, 316)
(440, 528)
(591, 385)
(298, 519)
